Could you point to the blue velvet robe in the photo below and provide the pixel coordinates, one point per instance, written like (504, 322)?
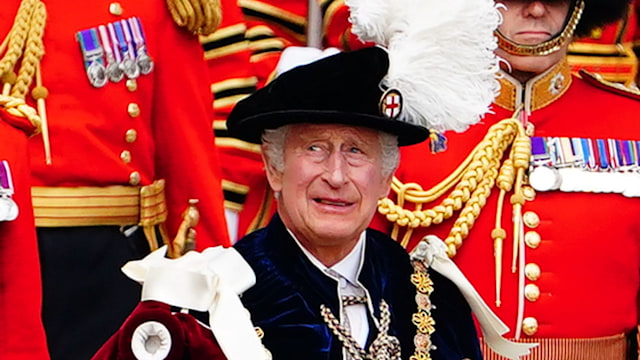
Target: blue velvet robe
(285, 302)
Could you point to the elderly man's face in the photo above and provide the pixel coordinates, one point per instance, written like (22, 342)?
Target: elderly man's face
(331, 182)
(530, 23)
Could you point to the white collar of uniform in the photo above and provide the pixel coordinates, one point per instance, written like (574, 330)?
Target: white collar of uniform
(348, 268)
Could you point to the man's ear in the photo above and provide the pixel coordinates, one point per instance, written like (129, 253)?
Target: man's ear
(273, 175)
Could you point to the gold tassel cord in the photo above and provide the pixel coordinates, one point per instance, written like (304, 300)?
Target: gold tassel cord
(17, 107)
(17, 37)
(32, 53)
(473, 181)
(24, 42)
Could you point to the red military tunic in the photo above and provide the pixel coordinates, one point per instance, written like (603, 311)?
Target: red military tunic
(580, 270)
(131, 132)
(227, 53)
(21, 332)
(109, 143)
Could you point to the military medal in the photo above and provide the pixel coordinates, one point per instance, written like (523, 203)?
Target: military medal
(142, 57)
(542, 175)
(114, 72)
(586, 165)
(125, 47)
(92, 54)
(8, 207)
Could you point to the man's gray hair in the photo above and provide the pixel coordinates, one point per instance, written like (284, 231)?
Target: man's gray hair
(273, 141)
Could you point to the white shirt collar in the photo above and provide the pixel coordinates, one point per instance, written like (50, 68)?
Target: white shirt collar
(348, 268)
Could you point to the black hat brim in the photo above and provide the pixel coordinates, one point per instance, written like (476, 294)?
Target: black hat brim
(343, 88)
(250, 129)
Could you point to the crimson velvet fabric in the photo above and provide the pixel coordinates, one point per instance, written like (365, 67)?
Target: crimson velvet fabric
(189, 338)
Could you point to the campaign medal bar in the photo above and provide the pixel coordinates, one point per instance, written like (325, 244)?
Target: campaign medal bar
(585, 165)
(114, 72)
(125, 47)
(8, 207)
(92, 54)
(142, 57)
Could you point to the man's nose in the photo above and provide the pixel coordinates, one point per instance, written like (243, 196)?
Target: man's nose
(535, 8)
(337, 167)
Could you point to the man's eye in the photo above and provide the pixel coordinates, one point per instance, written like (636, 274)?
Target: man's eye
(355, 150)
(314, 148)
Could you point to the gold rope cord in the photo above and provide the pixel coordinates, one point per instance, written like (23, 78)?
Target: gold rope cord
(473, 181)
(24, 42)
(17, 107)
(201, 17)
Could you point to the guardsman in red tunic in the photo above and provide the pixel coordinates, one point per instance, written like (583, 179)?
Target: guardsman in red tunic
(126, 143)
(21, 331)
(609, 49)
(539, 202)
(227, 53)
(242, 55)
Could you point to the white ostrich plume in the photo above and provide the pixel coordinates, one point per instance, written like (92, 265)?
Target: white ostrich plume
(441, 56)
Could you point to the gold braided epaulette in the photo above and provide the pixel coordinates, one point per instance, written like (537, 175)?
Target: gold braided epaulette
(201, 17)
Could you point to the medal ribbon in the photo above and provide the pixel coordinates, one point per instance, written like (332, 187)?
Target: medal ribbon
(106, 44)
(539, 150)
(91, 49)
(127, 38)
(602, 155)
(121, 41)
(576, 144)
(591, 154)
(114, 41)
(138, 39)
(6, 182)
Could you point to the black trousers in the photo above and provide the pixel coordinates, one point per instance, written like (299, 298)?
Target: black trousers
(86, 297)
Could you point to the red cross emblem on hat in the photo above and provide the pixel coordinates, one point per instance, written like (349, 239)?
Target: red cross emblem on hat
(391, 103)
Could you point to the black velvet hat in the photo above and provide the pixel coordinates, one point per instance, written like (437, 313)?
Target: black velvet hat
(342, 88)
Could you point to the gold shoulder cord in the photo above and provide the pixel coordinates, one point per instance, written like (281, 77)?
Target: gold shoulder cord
(472, 183)
(24, 42)
(201, 17)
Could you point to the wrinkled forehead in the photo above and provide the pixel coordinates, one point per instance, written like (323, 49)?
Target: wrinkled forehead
(332, 131)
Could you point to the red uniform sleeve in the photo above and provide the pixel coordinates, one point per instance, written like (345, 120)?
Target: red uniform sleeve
(232, 76)
(21, 331)
(185, 153)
